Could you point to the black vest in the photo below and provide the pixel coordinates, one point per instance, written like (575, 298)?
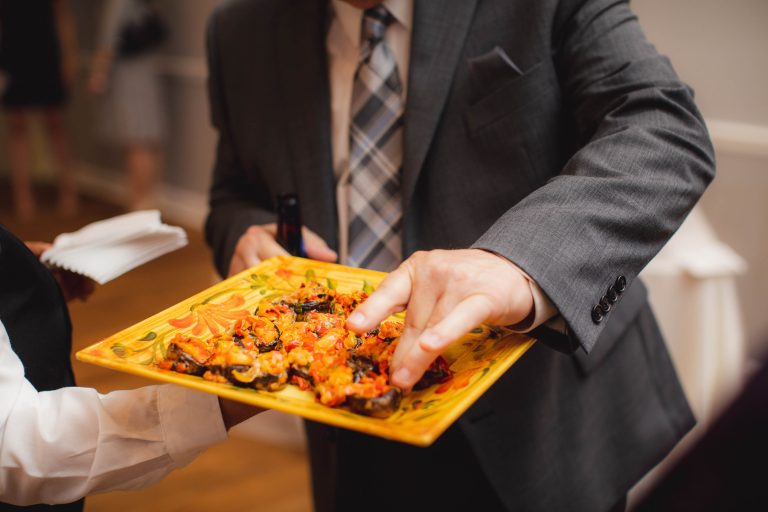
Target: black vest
(36, 318)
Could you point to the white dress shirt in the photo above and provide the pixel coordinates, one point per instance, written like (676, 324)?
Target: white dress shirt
(58, 446)
(343, 47)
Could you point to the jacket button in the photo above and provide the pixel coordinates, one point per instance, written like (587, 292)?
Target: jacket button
(621, 284)
(597, 314)
(611, 295)
(604, 305)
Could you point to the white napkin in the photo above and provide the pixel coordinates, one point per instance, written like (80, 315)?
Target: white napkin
(109, 248)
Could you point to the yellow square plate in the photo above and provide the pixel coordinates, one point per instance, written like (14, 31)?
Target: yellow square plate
(477, 360)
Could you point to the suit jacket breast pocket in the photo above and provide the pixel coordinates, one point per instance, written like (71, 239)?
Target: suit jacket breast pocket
(506, 91)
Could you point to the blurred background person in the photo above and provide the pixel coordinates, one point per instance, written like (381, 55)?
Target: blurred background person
(38, 59)
(124, 71)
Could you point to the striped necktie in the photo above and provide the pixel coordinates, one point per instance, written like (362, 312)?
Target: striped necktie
(375, 151)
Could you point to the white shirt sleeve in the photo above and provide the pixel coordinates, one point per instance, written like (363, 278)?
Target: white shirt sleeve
(58, 446)
(543, 309)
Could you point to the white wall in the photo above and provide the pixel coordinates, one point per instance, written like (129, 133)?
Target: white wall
(719, 47)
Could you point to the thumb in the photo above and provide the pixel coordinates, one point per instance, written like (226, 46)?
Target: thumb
(316, 248)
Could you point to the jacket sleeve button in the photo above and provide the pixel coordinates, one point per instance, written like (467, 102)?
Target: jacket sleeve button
(597, 314)
(621, 284)
(604, 305)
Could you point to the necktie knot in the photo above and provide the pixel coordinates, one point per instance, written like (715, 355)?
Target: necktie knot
(375, 23)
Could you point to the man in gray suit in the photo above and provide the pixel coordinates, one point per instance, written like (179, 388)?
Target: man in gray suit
(526, 159)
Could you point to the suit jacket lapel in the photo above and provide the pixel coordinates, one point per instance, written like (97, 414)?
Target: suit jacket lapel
(304, 78)
(438, 36)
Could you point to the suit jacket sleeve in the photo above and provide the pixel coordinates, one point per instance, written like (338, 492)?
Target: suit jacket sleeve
(645, 160)
(234, 201)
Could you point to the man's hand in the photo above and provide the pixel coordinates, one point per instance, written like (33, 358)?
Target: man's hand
(258, 243)
(38, 248)
(447, 294)
(73, 286)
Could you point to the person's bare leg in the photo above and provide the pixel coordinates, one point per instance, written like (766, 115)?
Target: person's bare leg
(60, 146)
(20, 161)
(143, 163)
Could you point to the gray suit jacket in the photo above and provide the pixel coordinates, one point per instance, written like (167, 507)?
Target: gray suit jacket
(548, 131)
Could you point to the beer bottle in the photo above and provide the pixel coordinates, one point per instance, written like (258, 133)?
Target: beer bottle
(289, 224)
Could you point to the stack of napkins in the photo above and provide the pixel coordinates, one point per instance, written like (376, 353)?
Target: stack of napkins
(109, 248)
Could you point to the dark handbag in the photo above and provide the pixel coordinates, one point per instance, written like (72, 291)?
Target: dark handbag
(142, 33)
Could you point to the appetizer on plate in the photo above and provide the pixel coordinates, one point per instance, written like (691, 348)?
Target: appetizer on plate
(301, 339)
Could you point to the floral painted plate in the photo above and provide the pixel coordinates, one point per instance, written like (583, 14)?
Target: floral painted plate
(477, 359)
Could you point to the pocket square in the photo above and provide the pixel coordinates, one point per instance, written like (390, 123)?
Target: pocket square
(493, 68)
